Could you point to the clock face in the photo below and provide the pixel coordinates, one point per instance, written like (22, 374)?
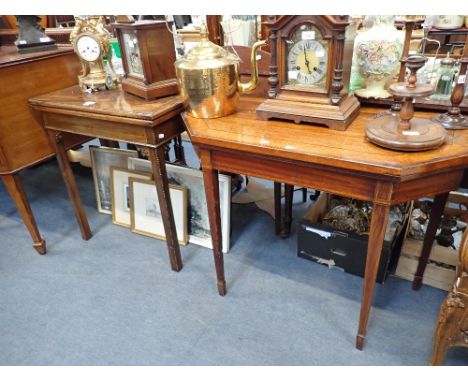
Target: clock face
(88, 48)
(132, 54)
(307, 58)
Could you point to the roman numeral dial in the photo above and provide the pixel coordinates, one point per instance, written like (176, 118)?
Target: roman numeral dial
(307, 62)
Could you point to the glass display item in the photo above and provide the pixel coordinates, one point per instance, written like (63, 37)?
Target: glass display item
(445, 80)
(377, 54)
(449, 21)
(132, 53)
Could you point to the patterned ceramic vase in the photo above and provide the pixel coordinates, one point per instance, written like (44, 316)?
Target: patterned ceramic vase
(377, 54)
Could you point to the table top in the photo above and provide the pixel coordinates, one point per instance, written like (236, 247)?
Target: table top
(9, 55)
(110, 103)
(314, 144)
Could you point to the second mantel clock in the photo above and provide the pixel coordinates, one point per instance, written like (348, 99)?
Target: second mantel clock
(309, 71)
(148, 56)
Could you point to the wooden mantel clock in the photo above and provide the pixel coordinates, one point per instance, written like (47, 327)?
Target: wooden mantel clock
(309, 71)
(148, 56)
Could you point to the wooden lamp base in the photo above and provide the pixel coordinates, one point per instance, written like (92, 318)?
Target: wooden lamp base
(336, 117)
(451, 121)
(422, 135)
(152, 91)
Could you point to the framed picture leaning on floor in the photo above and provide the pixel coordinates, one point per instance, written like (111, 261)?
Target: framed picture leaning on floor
(102, 159)
(192, 179)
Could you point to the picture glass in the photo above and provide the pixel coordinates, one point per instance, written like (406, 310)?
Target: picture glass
(146, 217)
(121, 193)
(132, 53)
(102, 159)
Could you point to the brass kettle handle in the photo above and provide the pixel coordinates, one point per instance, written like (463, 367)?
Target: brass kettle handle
(252, 84)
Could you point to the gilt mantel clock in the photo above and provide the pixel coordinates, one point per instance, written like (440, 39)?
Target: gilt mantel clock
(90, 40)
(309, 71)
(148, 56)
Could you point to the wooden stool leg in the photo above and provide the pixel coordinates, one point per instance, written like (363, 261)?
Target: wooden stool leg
(157, 157)
(16, 190)
(179, 150)
(288, 202)
(434, 222)
(374, 248)
(304, 195)
(56, 139)
(210, 178)
(277, 201)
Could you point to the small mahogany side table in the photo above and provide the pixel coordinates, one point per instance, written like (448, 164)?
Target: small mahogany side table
(114, 115)
(339, 162)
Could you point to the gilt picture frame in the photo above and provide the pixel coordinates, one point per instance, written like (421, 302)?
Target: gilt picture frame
(198, 224)
(145, 213)
(121, 203)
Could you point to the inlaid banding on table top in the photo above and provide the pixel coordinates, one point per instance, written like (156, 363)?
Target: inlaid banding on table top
(110, 102)
(313, 144)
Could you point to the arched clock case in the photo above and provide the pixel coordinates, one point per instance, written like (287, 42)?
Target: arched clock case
(309, 71)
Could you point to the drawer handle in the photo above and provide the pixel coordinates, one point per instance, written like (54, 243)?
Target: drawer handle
(337, 252)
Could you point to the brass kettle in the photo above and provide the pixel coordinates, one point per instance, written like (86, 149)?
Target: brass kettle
(208, 78)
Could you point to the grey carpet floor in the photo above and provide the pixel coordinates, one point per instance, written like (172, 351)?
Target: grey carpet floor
(113, 300)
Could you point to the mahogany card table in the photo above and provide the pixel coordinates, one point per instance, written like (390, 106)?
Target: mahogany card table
(116, 116)
(338, 162)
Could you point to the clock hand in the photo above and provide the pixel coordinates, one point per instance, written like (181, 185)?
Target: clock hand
(306, 60)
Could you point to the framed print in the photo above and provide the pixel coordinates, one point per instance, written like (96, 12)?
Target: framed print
(192, 179)
(102, 159)
(146, 218)
(121, 193)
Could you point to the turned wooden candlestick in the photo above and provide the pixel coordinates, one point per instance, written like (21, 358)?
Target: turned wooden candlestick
(409, 26)
(403, 131)
(453, 119)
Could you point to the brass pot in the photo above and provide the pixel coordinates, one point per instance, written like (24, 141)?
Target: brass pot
(208, 77)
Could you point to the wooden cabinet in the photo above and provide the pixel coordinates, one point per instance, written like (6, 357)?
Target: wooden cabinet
(22, 140)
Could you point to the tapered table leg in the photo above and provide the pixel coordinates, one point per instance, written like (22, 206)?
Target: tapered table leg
(16, 190)
(434, 222)
(277, 201)
(377, 234)
(210, 178)
(56, 139)
(288, 202)
(157, 157)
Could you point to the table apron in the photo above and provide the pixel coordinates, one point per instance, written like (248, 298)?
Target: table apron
(336, 181)
(141, 135)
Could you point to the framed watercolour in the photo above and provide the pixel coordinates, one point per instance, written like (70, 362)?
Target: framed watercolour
(145, 214)
(192, 179)
(102, 159)
(121, 193)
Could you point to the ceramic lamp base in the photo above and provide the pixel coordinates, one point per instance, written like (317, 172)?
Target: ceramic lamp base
(423, 134)
(374, 89)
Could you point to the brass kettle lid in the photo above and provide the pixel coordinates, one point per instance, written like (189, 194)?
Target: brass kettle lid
(206, 50)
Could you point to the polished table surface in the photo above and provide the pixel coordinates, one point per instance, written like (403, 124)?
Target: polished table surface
(339, 162)
(115, 115)
(348, 150)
